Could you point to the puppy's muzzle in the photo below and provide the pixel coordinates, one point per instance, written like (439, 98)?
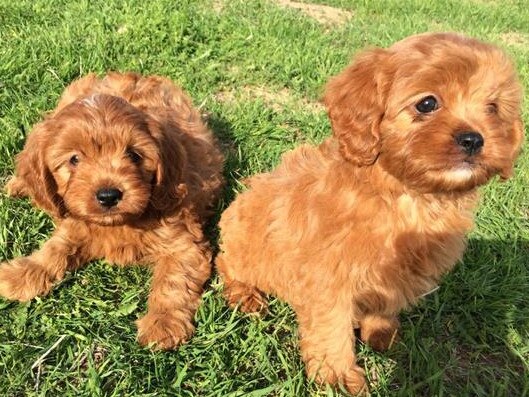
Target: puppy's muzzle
(109, 197)
(470, 142)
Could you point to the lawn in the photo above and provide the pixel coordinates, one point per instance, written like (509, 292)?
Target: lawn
(256, 69)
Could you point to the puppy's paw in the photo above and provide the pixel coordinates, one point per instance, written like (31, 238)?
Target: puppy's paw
(355, 382)
(352, 377)
(163, 331)
(23, 279)
(15, 187)
(379, 332)
(247, 298)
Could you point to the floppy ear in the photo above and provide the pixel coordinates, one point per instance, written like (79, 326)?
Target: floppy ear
(169, 184)
(32, 175)
(517, 137)
(355, 101)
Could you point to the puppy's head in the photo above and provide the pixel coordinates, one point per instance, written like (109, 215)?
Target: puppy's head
(440, 112)
(102, 160)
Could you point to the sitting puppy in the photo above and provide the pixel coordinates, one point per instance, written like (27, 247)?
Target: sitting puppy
(353, 231)
(129, 173)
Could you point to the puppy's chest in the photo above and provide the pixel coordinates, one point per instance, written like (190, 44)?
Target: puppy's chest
(424, 215)
(120, 246)
(428, 237)
(419, 243)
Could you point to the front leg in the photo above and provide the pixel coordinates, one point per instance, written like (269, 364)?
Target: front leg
(327, 343)
(24, 278)
(180, 269)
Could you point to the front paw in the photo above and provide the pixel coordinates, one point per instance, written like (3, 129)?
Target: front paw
(164, 331)
(22, 279)
(15, 187)
(355, 382)
(352, 377)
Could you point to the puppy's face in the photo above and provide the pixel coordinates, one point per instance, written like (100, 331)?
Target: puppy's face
(443, 112)
(103, 159)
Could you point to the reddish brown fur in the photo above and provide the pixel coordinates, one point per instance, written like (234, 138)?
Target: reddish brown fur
(357, 229)
(167, 195)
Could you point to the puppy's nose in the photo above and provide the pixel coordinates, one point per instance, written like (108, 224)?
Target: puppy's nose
(470, 142)
(109, 197)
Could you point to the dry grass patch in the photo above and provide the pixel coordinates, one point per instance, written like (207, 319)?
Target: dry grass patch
(218, 6)
(515, 39)
(275, 100)
(326, 15)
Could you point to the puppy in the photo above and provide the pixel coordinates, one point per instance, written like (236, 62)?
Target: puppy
(353, 231)
(129, 173)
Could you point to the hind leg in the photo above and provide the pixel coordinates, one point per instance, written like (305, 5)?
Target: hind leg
(246, 297)
(379, 332)
(249, 299)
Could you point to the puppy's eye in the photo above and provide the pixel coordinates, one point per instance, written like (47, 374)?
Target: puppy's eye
(133, 156)
(427, 104)
(492, 108)
(74, 160)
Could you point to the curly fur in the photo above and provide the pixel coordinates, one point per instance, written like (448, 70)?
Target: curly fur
(355, 230)
(142, 136)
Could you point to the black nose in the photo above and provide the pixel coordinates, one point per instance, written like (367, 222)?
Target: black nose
(109, 197)
(470, 142)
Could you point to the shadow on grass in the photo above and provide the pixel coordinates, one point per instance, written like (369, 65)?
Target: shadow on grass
(470, 337)
(234, 163)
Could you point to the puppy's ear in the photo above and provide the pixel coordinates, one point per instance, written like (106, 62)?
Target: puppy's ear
(355, 101)
(169, 189)
(33, 175)
(517, 136)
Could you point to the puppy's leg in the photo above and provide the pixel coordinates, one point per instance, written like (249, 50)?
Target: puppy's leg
(26, 277)
(379, 332)
(176, 288)
(327, 344)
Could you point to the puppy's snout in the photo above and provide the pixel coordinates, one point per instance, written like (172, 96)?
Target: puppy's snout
(470, 142)
(109, 197)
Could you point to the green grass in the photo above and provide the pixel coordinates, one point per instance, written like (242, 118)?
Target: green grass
(257, 71)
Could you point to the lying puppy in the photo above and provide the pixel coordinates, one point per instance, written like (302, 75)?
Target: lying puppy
(353, 231)
(129, 173)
